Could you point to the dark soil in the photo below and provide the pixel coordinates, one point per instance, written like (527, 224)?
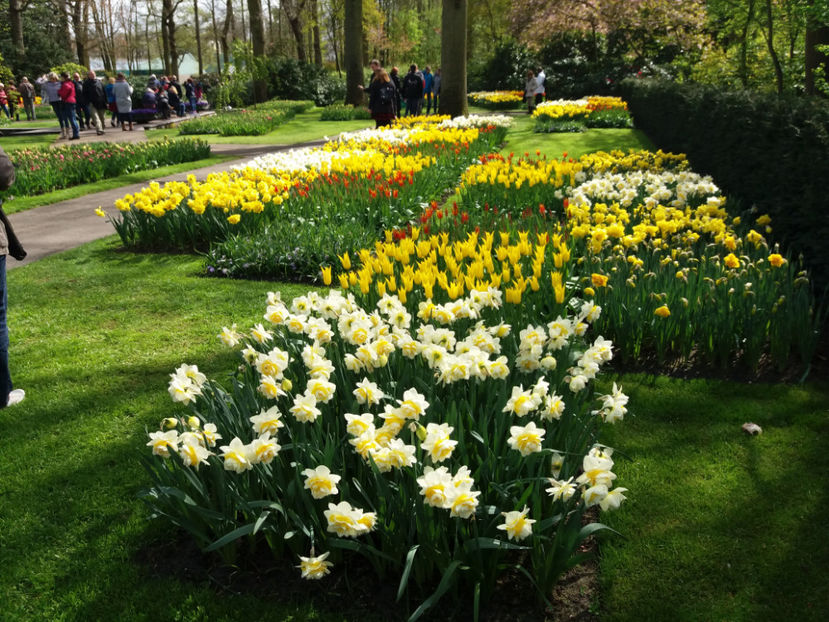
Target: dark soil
(352, 590)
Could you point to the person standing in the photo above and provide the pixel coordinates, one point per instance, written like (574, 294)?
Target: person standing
(398, 90)
(9, 245)
(68, 101)
(413, 91)
(81, 105)
(51, 93)
(540, 76)
(530, 87)
(4, 101)
(14, 102)
(27, 95)
(95, 95)
(436, 89)
(109, 89)
(190, 92)
(428, 84)
(123, 100)
(381, 99)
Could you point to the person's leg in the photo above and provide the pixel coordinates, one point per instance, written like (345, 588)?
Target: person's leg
(56, 106)
(435, 103)
(5, 375)
(73, 122)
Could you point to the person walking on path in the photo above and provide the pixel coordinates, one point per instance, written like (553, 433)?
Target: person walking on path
(81, 105)
(68, 101)
(540, 76)
(190, 91)
(27, 94)
(123, 100)
(381, 100)
(8, 246)
(413, 91)
(436, 89)
(530, 87)
(51, 93)
(4, 101)
(428, 84)
(95, 95)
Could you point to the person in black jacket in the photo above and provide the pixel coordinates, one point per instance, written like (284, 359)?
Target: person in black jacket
(382, 98)
(413, 91)
(395, 78)
(8, 395)
(96, 97)
(81, 103)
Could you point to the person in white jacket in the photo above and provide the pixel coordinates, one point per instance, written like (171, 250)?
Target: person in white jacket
(530, 87)
(540, 76)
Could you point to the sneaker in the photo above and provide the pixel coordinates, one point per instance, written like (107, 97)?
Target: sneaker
(16, 396)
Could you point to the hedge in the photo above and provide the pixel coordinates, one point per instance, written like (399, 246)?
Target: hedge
(765, 150)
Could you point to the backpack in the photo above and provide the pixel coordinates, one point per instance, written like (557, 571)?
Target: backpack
(412, 84)
(385, 94)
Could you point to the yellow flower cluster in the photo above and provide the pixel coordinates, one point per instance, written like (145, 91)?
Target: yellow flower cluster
(389, 140)
(515, 174)
(419, 120)
(476, 263)
(496, 97)
(562, 110)
(618, 161)
(597, 102)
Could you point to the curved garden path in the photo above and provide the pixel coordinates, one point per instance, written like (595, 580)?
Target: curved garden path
(58, 227)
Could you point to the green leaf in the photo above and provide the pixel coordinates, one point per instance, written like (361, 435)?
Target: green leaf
(482, 543)
(230, 537)
(404, 579)
(260, 521)
(444, 584)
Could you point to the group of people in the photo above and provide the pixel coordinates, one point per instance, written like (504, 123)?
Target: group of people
(84, 104)
(166, 96)
(534, 91)
(11, 97)
(387, 92)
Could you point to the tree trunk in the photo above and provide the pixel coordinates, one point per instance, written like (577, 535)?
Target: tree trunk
(79, 12)
(353, 54)
(63, 17)
(227, 30)
(743, 66)
(16, 25)
(317, 44)
(453, 58)
(216, 37)
(816, 34)
(257, 38)
(778, 69)
(335, 43)
(198, 34)
(296, 28)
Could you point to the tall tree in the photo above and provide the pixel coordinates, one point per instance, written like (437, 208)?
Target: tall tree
(453, 58)
(316, 28)
(817, 36)
(198, 35)
(16, 8)
(257, 38)
(293, 11)
(227, 31)
(353, 55)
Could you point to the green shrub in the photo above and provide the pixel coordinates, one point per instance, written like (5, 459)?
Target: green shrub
(287, 250)
(237, 123)
(764, 150)
(614, 118)
(559, 126)
(344, 112)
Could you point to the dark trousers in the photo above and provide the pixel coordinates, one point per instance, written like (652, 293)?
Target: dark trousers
(58, 108)
(69, 118)
(5, 376)
(429, 102)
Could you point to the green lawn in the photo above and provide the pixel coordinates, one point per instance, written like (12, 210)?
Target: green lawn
(522, 139)
(720, 525)
(30, 125)
(24, 203)
(10, 143)
(302, 128)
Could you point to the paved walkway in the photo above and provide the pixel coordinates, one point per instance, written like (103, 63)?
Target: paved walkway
(58, 227)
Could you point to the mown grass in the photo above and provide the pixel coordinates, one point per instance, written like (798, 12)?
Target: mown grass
(522, 139)
(304, 127)
(24, 203)
(10, 143)
(719, 525)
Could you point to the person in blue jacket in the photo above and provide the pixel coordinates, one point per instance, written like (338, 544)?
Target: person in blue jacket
(428, 83)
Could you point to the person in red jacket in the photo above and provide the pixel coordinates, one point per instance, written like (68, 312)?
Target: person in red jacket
(67, 99)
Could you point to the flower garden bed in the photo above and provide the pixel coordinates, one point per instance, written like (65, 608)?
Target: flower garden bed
(497, 100)
(452, 377)
(578, 115)
(254, 121)
(45, 169)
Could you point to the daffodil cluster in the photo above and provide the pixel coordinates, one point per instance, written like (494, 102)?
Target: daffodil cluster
(391, 424)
